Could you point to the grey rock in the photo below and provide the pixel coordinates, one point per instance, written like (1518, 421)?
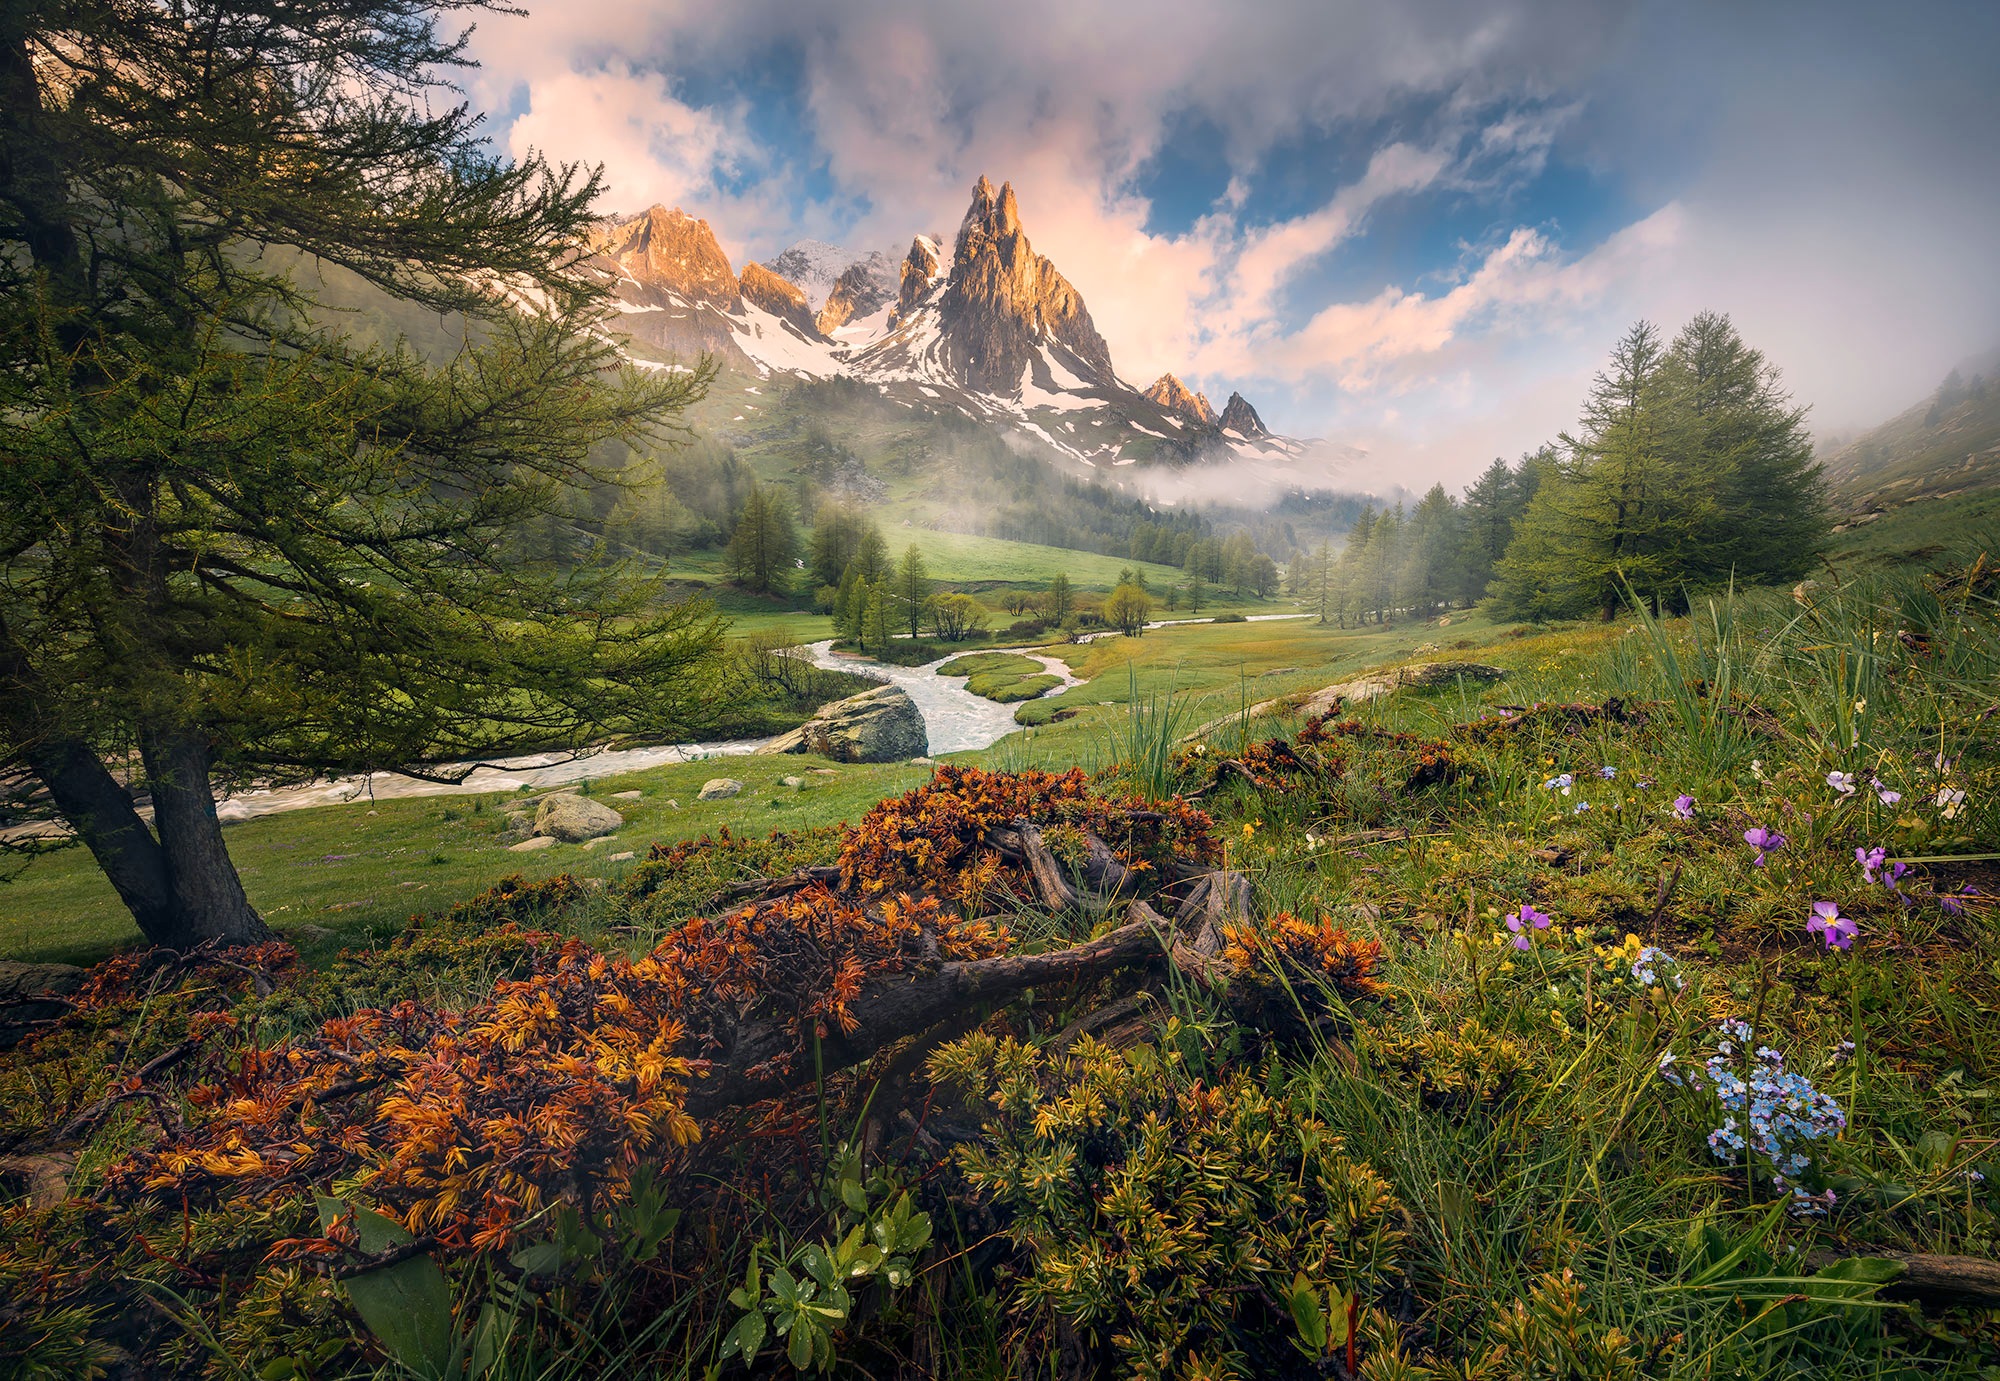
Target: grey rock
(1368, 686)
(574, 819)
(528, 846)
(793, 782)
(627, 795)
(880, 725)
(620, 857)
(719, 789)
(923, 762)
(31, 993)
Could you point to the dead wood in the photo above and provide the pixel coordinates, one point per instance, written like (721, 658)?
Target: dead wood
(1949, 1281)
(762, 889)
(757, 1059)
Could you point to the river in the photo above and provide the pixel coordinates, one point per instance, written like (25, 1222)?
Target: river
(956, 721)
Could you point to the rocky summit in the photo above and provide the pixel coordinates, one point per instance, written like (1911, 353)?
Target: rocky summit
(864, 288)
(1239, 417)
(1175, 396)
(675, 282)
(782, 299)
(1004, 300)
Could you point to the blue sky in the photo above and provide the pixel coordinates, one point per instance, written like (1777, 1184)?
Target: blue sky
(1412, 229)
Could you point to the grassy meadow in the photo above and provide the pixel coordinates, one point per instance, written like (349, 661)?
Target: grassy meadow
(1592, 1097)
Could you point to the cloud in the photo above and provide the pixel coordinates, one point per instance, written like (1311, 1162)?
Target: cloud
(1820, 172)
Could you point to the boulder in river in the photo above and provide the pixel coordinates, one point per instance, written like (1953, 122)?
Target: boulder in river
(573, 819)
(879, 725)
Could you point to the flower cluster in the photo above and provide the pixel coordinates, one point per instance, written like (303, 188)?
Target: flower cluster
(1653, 965)
(1768, 1110)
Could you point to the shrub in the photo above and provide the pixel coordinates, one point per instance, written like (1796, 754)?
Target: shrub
(1179, 1227)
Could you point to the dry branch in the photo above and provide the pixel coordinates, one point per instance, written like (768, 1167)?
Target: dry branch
(1949, 1281)
(754, 1063)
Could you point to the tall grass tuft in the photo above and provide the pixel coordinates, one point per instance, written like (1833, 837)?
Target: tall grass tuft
(1142, 743)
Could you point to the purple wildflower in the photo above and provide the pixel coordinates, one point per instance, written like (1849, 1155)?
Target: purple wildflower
(1765, 842)
(1835, 929)
(1843, 782)
(1684, 806)
(1560, 783)
(1607, 772)
(1883, 793)
(1870, 860)
(1525, 920)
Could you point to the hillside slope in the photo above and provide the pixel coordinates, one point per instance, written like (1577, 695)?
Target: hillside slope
(1948, 443)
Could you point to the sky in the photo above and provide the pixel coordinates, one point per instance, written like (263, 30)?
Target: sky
(1413, 228)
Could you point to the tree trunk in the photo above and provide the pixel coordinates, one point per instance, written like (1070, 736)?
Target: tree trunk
(101, 812)
(208, 895)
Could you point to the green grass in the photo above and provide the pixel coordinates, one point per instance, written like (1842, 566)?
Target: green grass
(1509, 1097)
(361, 871)
(361, 876)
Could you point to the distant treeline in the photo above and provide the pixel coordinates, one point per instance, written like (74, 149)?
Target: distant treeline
(1691, 467)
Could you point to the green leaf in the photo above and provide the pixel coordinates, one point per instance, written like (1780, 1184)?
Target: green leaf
(799, 1348)
(406, 1306)
(1302, 1300)
(853, 1196)
(538, 1259)
(818, 1264)
(747, 1338)
(278, 1369)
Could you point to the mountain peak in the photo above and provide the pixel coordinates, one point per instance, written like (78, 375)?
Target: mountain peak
(780, 297)
(1238, 416)
(1003, 300)
(660, 250)
(1175, 396)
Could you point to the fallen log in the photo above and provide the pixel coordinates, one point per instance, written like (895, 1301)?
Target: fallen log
(756, 1060)
(1950, 1281)
(762, 889)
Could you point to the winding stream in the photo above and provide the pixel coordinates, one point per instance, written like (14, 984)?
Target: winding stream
(955, 719)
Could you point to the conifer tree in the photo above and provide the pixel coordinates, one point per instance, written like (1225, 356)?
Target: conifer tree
(1060, 601)
(913, 588)
(244, 538)
(765, 542)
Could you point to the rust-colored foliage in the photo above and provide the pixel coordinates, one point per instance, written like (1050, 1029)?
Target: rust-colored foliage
(1319, 950)
(929, 840)
(464, 1124)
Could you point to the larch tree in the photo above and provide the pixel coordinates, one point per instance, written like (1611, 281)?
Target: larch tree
(765, 541)
(913, 589)
(240, 539)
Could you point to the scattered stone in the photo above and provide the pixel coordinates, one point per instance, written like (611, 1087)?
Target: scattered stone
(793, 782)
(621, 857)
(923, 762)
(673, 804)
(879, 725)
(601, 839)
(310, 932)
(31, 993)
(720, 788)
(47, 1177)
(374, 812)
(1370, 686)
(520, 824)
(824, 772)
(528, 846)
(573, 819)
(626, 795)
(591, 884)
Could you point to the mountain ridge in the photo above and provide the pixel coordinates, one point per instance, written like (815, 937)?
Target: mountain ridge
(995, 333)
